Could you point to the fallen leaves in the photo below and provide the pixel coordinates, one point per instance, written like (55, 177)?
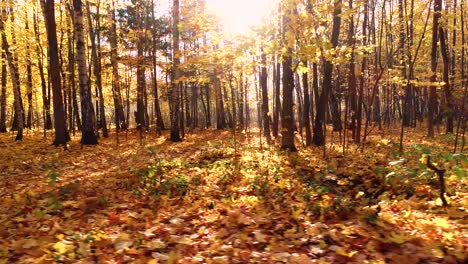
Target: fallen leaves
(262, 209)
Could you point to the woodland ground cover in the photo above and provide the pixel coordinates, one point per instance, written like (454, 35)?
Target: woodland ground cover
(216, 199)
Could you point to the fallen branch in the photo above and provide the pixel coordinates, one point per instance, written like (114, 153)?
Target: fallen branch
(440, 173)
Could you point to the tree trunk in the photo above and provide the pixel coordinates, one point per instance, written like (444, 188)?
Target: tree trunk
(277, 97)
(306, 112)
(120, 121)
(95, 39)
(287, 113)
(240, 100)
(175, 93)
(322, 105)
(433, 89)
(59, 111)
(220, 118)
(14, 75)
(29, 85)
(88, 134)
(157, 107)
(3, 95)
(449, 105)
(352, 91)
(265, 108)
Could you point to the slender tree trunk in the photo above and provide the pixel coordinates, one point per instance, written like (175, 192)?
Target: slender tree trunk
(352, 91)
(56, 82)
(277, 97)
(306, 112)
(220, 117)
(240, 100)
(322, 106)
(157, 107)
(141, 82)
(175, 93)
(120, 120)
(29, 86)
(208, 106)
(449, 104)
(3, 95)
(40, 62)
(265, 108)
(95, 39)
(14, 75)
(433, 89)
(14, 58)
(88, 133)
(287, 113)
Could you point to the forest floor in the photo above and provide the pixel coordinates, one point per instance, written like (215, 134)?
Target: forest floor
(213, 199)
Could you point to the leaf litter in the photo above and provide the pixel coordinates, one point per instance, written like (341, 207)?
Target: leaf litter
(202, 201)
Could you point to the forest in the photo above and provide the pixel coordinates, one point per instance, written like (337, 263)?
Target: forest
(333, 131)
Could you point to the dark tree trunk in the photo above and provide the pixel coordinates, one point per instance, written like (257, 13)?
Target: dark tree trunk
(220, 117)
(95, 39)
(59, 111)
(175, 93)
(29, 83)
(14, 75)
(208, 106)
(265, 108)
(433, 89)
(306, 112)
(40, 62)
(449, 104)
(3, 95)
(88, 131)
(233, 102)
(277, 97)
(140, 72)
(240, 100)
(352, 91)
(246, 104)
(359, 113)
(157, 107)
(14, 125)
(322, 105)
(287, 113)
(120, 120)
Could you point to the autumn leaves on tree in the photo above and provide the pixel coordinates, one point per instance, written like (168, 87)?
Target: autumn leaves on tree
(348, 65)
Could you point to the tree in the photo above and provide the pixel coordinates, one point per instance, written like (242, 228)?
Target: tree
(322, 105)
(433, 89)
(265, 108)
(175, 93)
(18, 117)
(95, 39)
(3, 95)
(59, 111)
(287, 114)
(88, 133)
(120, 121)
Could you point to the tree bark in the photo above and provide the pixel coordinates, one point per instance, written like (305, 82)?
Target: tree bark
(120, 121)
(265, 108)
(322, 105)
(433, 89)
(14, 75)
(88, 133)
(175, 93)
(59, 110)
(157, 107)
(3, 96)
(287, 113)
(95, 39)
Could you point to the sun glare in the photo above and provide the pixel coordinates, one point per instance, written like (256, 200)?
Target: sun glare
(238, 16)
